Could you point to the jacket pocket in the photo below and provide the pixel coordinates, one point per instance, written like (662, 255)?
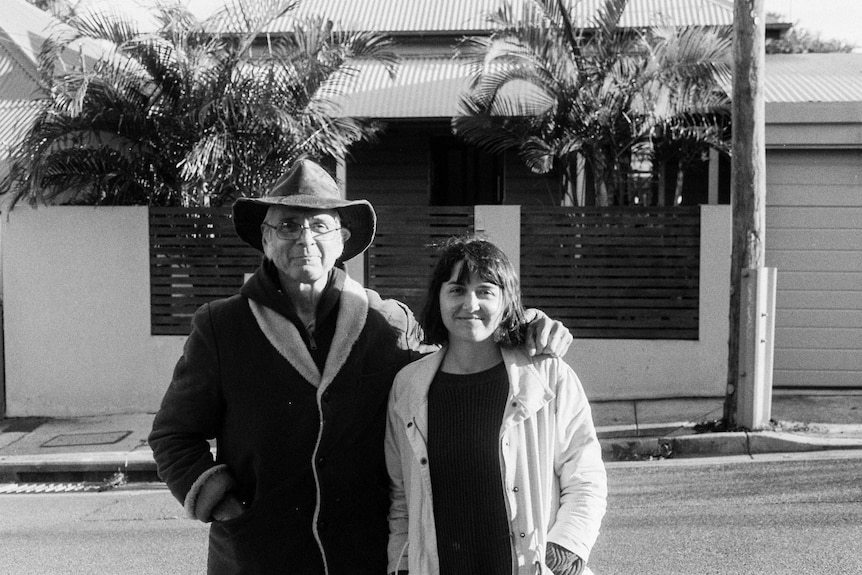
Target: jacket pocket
(235, 526)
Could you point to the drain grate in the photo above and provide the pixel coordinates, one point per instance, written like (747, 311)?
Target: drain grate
(117, 480)
(24, 488)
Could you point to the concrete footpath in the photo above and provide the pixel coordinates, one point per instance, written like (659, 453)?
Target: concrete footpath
(112, 449)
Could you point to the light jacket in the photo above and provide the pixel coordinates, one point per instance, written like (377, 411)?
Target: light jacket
(301, 447)
(553, 476)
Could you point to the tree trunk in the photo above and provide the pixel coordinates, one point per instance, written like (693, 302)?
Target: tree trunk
(569, 181)
(601, 193)
(661, 198)
(600, 176)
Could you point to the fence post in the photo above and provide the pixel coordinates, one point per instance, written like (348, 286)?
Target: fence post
(502, 226)
(356, 267)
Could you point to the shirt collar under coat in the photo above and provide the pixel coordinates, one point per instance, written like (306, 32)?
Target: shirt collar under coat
(529, 389)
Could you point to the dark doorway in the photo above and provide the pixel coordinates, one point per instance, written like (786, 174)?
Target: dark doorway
(463, 175)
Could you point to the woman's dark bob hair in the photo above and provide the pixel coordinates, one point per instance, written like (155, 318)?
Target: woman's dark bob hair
(482, 260)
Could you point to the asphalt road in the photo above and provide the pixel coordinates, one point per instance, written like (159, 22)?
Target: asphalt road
(798, 514)
(123, 532)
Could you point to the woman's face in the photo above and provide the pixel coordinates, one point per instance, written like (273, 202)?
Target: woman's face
(470, 311)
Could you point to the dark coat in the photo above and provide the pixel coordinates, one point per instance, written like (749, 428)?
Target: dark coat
(304, 445)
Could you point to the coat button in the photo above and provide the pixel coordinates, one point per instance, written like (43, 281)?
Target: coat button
(424, 461)
(322, 525)
(325, 396)
(515, 489)
(410, 424)
(321, 461)
(523, 535)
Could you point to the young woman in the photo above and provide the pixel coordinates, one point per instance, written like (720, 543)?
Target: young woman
(493, 456)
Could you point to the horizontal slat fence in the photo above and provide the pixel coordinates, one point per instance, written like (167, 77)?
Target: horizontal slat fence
(616, 272)
(622, 273)
(403, 254)
(195, 257)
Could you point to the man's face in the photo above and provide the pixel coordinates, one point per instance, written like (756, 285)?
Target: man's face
(303, 244)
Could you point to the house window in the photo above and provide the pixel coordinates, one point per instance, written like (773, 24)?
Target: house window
(463, 175)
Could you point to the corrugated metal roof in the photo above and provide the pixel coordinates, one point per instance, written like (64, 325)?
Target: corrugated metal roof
(431, 87)
(26, 27)
(462, 16)
(19, 79)
(798, 78)
(20, 42)
(23, 30)
(15, 119)
(423, 88)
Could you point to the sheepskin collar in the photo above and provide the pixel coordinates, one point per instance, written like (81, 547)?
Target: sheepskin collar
(285, 338)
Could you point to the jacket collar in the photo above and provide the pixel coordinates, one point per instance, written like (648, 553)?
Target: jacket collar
(415, 395)
(285, 338)
(528, 388)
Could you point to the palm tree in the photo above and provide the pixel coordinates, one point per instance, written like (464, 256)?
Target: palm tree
(196, 111)
(690, 110)
(554, 90)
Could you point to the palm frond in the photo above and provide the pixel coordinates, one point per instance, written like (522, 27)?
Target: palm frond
(544, 85)
(191, 109)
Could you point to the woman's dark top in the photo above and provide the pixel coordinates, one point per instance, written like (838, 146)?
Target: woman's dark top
(464, 417)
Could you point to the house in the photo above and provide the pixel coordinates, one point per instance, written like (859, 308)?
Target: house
(814, 217)
(109, 361)
(814, 163)
(424, 162)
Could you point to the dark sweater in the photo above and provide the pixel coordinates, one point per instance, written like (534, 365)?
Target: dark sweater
(464, 417)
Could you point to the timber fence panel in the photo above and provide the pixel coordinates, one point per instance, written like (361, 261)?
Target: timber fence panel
(621, 273)
(403, 254)
(616, 272)
(195, 257)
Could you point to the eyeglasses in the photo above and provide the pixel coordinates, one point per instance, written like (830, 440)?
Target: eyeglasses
(293, 230)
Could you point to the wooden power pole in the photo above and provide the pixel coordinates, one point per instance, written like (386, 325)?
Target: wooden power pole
(752, 287)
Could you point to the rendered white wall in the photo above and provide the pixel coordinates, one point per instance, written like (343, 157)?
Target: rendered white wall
(652, 369)
(76, 293)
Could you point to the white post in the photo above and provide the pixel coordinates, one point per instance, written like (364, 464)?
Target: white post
(502, 226)
(355, 266)
(757, 343)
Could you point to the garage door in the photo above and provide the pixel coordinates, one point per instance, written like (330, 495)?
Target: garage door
(814, 238)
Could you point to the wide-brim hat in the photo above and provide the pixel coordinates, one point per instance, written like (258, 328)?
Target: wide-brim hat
(307, 185)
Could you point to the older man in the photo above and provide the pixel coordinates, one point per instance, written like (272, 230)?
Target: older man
(291, 378)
